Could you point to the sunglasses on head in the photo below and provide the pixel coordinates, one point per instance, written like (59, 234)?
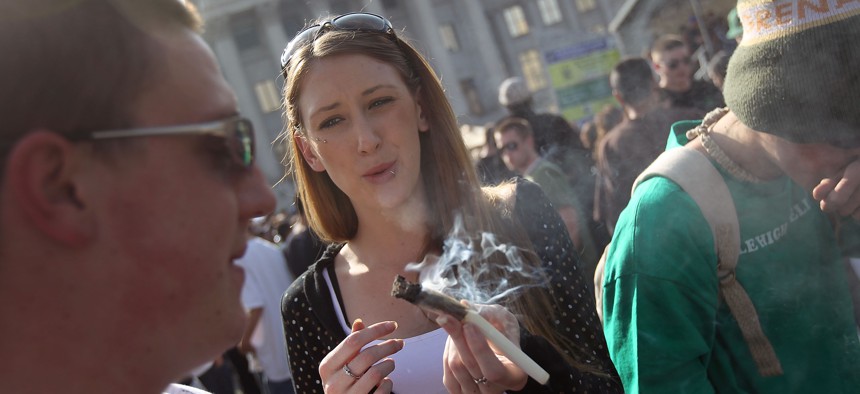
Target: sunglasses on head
(237, 132)
(675, 63)
(358, 21)
(510, 146)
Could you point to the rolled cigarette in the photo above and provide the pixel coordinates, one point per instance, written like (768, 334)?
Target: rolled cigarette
(437, 302)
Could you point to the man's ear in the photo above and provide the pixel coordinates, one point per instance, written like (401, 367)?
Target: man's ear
(618, 97)
(309, 154)
(42, 180)
(657, 67)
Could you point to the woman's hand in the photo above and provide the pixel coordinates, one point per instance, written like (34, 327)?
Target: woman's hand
(841, 194)
(470, 363)
(349, 369)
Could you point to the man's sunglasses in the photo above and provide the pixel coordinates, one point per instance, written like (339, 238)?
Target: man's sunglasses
(358, 21)
(677, 62)
(510, 147)
(237, 132)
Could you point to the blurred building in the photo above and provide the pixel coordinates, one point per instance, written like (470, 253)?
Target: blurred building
(473, 45)
(638, 22)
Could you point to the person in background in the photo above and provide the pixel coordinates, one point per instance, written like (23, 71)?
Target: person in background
(302, 247)
(736, 28)
(588, 134)
(717, 69)
(491, 168)
(632, 145)
(516, 139)
(550, 130)
(606, 119)
(385, 176)
(671, 60)
(791, 128)
(559, 142)
(127, 185)
(266, 280)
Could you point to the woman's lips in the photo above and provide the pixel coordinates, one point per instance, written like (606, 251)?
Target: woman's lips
(380, 173)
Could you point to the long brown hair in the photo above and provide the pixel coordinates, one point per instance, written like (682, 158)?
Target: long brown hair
(447, 173)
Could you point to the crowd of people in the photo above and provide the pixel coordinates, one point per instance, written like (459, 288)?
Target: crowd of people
(697, 237)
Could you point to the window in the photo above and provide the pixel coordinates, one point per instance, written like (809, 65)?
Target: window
(472, 96)
(585, 5)
(267, 95)
(515, 18)
(549, 11)
(449, 37)
(533, 69)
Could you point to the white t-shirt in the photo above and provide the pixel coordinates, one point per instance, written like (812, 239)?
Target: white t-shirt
(266, 280)
(182, 389)
(418, 366)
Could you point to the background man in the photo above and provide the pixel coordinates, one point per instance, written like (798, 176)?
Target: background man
(672, 63)
(266, 280)
(793, 121)
(517, 145)
(557, 141)
(632, 145)
(116, 247)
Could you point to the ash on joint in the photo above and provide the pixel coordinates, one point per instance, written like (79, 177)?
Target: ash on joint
(427, 299)
(404, 289)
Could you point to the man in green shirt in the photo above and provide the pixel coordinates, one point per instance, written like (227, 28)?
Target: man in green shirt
(515, 137)
(792, 120)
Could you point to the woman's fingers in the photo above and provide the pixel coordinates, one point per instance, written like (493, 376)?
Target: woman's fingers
(456, 378)
(471, 363)
(349, 347)
(385, 387)
(372, 354)
(502, 319)
(495, 368)
(374, 378)
(347, 366)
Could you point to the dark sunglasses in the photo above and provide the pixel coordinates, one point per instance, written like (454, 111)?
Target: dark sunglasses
(237, 132)
(510, 146)
(677, 62)
(357, 21)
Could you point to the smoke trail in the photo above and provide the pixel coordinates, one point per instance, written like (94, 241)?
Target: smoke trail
(492, 278)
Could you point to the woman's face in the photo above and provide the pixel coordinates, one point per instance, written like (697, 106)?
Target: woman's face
(361, 125)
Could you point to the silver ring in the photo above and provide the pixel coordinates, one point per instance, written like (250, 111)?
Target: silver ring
(481, 380)
(349, 373)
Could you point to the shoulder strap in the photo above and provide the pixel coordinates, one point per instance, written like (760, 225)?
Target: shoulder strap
(694, 173)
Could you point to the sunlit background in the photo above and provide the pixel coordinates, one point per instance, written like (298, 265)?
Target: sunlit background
(564, 50)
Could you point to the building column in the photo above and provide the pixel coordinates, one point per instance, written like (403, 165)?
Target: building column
(218, 31)
(428, 28)
(494, 65)
(273, 30)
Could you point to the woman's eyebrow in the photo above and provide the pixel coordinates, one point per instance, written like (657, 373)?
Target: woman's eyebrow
(375, 88)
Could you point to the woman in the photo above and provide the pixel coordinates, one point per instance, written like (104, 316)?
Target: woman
(380, 164)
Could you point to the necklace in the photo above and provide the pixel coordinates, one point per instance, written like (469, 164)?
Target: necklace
(704, 130)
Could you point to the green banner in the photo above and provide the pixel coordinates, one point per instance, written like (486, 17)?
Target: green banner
(580, 77)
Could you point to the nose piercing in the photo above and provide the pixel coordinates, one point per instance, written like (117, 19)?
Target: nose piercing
(391, 171)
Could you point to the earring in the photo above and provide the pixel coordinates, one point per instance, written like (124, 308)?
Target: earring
(317, 139)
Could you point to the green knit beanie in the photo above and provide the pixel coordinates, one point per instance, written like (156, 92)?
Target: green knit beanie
(796, 73)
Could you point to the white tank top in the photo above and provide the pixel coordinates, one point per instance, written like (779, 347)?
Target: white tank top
(418, 366)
